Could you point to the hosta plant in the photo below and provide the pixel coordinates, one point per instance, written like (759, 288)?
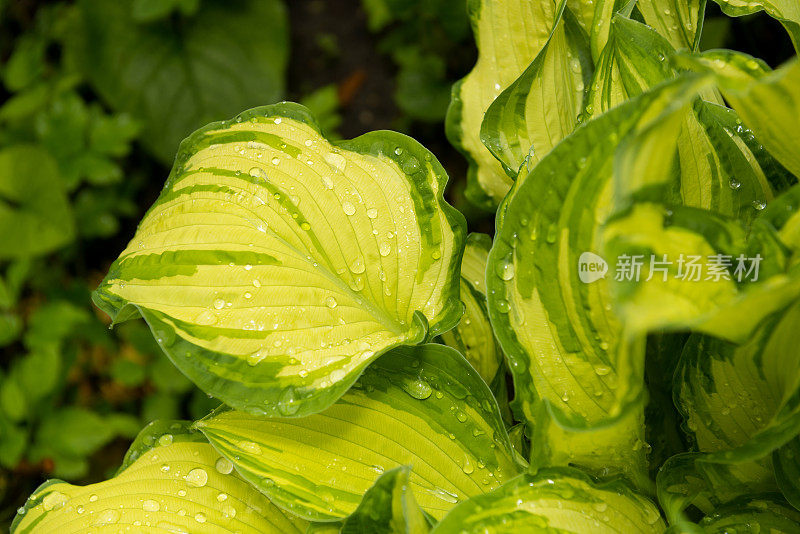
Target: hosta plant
(620, 357)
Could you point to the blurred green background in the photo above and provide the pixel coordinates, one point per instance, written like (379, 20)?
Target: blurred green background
(96, 96)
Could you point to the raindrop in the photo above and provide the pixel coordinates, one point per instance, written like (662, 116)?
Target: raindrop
(358, 266)
(165, 440)
(417, 388)
(372, 213)
(385, 249)
(219, 304)
(54, 501)
(287, 404)
(348, 208)
(224, 466)
(150, 505)
(330, 302)
(249, 447)
(200, 517)
(197, 477)
(505, 268)
(109, 517)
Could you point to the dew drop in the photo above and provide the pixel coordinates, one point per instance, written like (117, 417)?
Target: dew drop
(219, 304)
(223, 465)
(348, 208)
(54, 500)
(249, 447)
(165, 440)
(109, 517)
(255, 357)
(336, 160)
(357, 266)
(505, 268)
(287, 404)
(372, 213)
(149, 505)
(200, 517)
(276, 160)
(417, 388)
(197, 478)
(330, 302)
(385, 249)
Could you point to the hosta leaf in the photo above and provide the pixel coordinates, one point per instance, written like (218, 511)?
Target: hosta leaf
(172, 481)
(753, 514)
(747, 85)
(558, 500)
(633, 60)
(178, 74)
(541, 107)
(275, 266)
(786, 462)
(742, 402)
(473, 336)
(388, 507)
(35, 216)
(729, 306)
(565, 346)
(680, 21)
(686, 480)
(509, 35)
(422, 406)
(786, 11)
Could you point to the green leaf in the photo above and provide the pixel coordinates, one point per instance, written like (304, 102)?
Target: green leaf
(26, 63)
(633, 60)
(422, 406)
(686, 480)
(172, 480)
(573, 366)
(178, 75)
(34, 213)
(742, 402)
(786, 462)
(753, 514)
(748, 86)
(542, 106)
(473, 336)
(559, 500)
(74, 431)
(786, 11)
(509, 35)
(388, 507)
(275, 266)
(680, 21)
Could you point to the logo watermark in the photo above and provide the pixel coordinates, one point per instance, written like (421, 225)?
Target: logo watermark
(687, 268)
(591, 267)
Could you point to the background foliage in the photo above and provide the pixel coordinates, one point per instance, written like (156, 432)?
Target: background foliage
(96, 95)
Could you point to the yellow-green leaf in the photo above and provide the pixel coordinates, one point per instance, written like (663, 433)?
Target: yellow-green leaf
(574, 369)
(473, 336)
(419, 406)
(680, 21)
(558, 501)
(172, 481)
(388, 507)
(275, 265)
(767, 101)
(509, 35)
(541, 107)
